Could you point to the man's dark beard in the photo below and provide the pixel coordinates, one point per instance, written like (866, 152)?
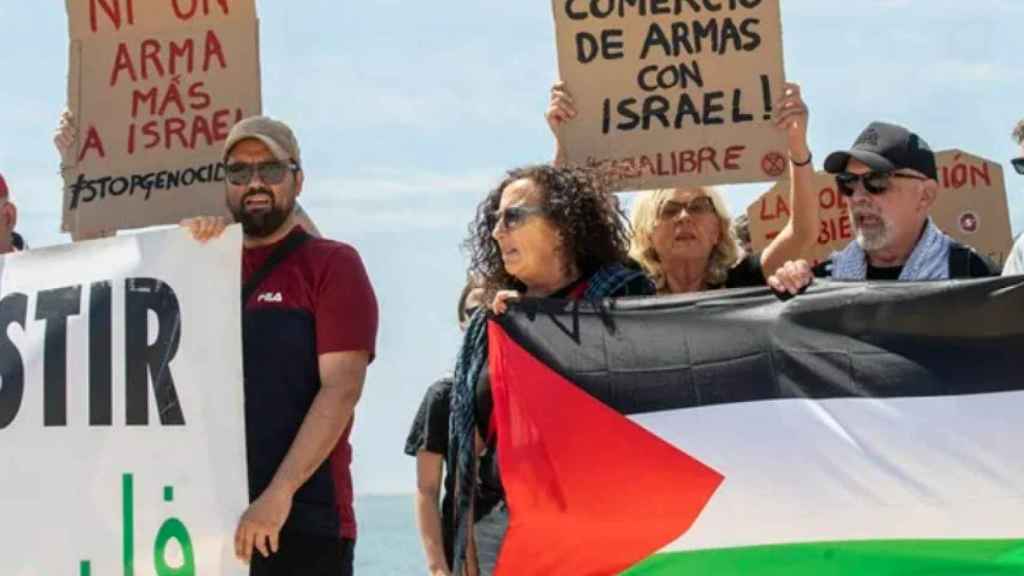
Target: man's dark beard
(261, 224)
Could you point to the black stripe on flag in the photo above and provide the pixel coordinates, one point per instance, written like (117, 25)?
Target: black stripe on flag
(839, 340)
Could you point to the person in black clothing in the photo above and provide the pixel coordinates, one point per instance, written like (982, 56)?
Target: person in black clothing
(891, 180)
(428, 443)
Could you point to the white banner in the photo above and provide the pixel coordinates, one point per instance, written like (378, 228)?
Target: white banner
(121, 407)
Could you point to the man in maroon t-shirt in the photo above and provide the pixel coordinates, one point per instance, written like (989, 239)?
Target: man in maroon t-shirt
(309, 331)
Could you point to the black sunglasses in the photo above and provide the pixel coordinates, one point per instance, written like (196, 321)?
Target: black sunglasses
(874, 182)
(1018, 165)
(514, 216)
(272, 172)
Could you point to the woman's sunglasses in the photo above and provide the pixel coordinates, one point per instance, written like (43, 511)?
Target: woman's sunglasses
(514, 216)
(874, 182)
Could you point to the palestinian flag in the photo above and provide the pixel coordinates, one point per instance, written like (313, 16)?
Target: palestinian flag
(855, 430)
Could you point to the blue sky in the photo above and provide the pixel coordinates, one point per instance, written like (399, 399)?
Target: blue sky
(408, 112)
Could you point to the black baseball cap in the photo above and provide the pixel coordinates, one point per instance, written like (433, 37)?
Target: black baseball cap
(887, 147)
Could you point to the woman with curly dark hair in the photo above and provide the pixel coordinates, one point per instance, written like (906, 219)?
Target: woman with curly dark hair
(544, 231)
(547, 232)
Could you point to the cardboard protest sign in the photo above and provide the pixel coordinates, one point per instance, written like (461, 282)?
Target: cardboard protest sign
(769, 214)
(121, 408)
(155, 88)
(90, 17)
(971, 207)
(673, 91)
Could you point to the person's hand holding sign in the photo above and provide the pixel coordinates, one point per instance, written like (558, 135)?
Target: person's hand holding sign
(801, 231)
(205, 228)
(792, 116)
(791, 279)
(501, 300)
(560, 110)
(64, 139)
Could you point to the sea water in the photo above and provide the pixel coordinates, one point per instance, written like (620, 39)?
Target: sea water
(388, 542)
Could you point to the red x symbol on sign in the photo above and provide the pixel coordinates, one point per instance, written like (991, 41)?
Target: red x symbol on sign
(773, 164)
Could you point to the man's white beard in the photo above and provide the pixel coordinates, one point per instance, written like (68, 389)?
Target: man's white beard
(875, 237)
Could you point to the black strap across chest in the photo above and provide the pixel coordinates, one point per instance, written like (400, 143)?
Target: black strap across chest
(283, 250)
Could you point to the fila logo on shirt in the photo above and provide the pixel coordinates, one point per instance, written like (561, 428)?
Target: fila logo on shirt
(274, 297)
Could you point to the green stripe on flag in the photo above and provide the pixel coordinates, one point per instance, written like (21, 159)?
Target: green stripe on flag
(882, 558)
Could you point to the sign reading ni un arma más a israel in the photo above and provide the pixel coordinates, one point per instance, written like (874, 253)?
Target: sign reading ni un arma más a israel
(121, 407)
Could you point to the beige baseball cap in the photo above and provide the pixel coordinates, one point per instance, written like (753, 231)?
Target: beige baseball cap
(274, 133)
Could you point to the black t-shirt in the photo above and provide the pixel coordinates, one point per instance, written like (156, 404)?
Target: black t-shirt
(429, 433)
(747, 273)
(884, 273)
(429, 429)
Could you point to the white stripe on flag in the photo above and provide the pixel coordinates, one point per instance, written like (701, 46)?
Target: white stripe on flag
(855, 469)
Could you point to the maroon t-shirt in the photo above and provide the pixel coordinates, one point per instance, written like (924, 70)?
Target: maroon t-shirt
(317, 301)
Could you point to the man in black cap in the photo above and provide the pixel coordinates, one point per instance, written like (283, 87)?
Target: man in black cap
(1015, 261)
(890, 179)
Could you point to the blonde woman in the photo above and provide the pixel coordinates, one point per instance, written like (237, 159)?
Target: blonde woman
(683, 239)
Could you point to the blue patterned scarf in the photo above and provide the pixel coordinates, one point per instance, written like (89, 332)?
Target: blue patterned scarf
(928, 261)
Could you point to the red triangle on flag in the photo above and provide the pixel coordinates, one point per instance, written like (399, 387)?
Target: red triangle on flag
(589, 492)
